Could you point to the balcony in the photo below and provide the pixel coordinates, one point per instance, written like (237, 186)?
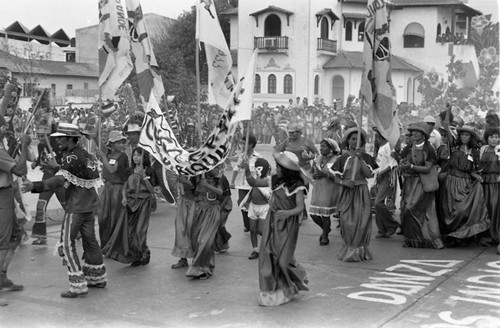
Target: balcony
(327, 47)
(271, 43)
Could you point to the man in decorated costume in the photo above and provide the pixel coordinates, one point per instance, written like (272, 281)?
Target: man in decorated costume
(79, 175)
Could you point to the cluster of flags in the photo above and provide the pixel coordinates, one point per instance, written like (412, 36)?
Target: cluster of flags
(123, 30)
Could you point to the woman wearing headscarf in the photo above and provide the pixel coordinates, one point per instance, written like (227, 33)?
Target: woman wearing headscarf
(419, 222)
(462, 208)
(324, 197)
(351, 171)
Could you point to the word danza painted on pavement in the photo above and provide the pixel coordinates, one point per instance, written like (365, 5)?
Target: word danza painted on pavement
(392, 287)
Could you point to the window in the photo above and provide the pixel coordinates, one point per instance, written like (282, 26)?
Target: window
(53, 89)
(413, 36)
(324, 28)
(316, 85)
(288, 84)
(361, 32)
(85, 85)
(70, 57)
(256, 86)
(271, 84)
(438, 31)
(69, 86)
(272, 26)
(348, 31)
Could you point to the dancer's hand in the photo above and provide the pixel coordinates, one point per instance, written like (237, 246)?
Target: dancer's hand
(27, 186)
(282, 214)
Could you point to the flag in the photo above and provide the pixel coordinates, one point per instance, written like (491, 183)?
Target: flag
(148, 76)
(376, 84)
(115, 64)
(219, 61)
(243, 107)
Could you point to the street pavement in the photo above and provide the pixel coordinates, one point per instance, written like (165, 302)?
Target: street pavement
(400, 287)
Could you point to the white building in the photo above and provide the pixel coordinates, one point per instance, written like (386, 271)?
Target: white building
(313, 48)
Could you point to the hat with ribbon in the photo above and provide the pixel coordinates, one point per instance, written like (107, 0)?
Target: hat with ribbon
(67, 130)
(115, 136)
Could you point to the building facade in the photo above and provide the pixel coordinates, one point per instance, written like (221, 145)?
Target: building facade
(313, 48)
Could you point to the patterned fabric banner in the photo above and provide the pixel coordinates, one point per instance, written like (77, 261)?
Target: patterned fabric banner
(376, 84)
(219, 61)
(115, 64)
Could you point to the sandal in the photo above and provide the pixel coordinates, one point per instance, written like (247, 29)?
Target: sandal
(180, 264)
(39, 242)
(204, 276)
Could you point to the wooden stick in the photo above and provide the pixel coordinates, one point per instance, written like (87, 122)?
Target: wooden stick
(358, 141)
(198, 87)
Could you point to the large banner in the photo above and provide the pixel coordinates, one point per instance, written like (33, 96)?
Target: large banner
(219, 61)
(376, 84)
(115, 64)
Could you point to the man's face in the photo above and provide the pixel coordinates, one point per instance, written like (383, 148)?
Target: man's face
(133, 137)
(63, 143)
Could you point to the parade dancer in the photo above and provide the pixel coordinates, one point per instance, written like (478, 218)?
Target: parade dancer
(10, 231)
(79, 175)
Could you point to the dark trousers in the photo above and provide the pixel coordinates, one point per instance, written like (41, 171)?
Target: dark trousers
(384, 205)
(92, 271)
(39, 229)
(246, 221)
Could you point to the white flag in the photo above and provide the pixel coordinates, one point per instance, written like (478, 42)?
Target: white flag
(244, 92)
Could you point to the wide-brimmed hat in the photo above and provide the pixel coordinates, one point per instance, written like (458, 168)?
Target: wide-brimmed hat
(419, 126)
(115, 136)
(350, 131)
(293, 127)
(469, 129)
(332, 144)
(67, 130)
(133, 127)
(290, 161)
(429, 119)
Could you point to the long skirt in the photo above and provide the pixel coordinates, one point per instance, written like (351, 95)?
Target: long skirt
(112, 211)
(492, 197)
(183, 247)
(205, 225)
(324, 198)
(462, 208)
(221, 241)
(355, 223)
(280, 275)
(419, 222)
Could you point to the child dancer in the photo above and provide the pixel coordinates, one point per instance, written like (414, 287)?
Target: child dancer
(280, 275)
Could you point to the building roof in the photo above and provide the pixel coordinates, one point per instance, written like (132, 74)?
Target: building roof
(354, 59)
(271, 8)
(327, 12)
(48, 67)
(426, 3)
(18, 31)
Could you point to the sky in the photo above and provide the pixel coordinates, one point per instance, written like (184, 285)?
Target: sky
(72, 14)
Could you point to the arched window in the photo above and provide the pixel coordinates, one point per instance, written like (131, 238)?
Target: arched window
(338, 90)
(324, 28)
(256, 85)
(316, 85)
(271, 84)
(348, 31)
(361, 31)
(288, 84)
(438, 31)
(272, 26)
(414, 36)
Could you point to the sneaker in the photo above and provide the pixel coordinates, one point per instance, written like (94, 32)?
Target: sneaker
(70, 294)
(254, 255)
(181, 264)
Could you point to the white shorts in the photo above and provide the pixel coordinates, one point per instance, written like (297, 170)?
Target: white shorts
(256, 212)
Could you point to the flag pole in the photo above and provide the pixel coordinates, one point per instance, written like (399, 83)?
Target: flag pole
(198, 87)
(358, 141)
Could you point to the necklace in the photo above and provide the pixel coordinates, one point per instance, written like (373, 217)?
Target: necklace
(324, 160)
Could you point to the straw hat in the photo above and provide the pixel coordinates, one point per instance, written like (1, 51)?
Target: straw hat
(350, 131)
(67, 130)
(133, 127)
(420, 126)
(293, 127)
(332, 144)
(115, 136)
(469, 129)
(430, 119)
(290, 161)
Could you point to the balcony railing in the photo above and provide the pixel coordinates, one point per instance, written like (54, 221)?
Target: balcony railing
(271, 43)
(327, 45)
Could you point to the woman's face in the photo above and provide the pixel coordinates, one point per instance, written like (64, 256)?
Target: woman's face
(353, 140)
(465, 138)
(294, 135)
(493, 140)
(324, 149)
(136, 157)
(119, 145)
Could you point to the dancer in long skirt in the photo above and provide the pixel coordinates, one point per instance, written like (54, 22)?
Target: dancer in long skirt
(325, 192)
(419, 222)
(490, 164)
(354, 200)
(280, 275)
(115, 172)
(128, 244)
(462, 211)
(206, 219)
(221, 242)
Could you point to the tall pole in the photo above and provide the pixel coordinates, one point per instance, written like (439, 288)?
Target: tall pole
(198, 87)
